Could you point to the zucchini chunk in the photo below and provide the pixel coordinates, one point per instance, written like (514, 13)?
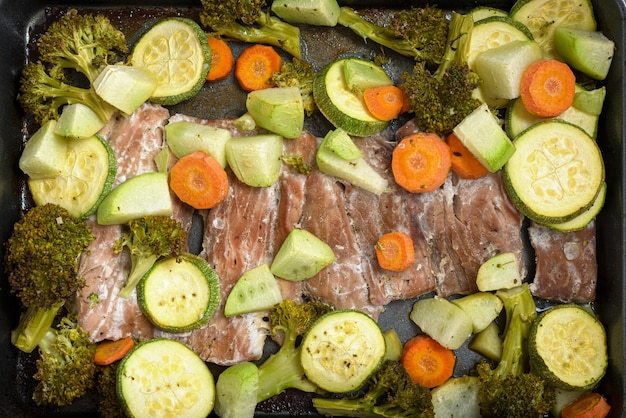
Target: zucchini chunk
(341, 350)
(164, 378)
(555, 173)
(179, 295)
(567, 346)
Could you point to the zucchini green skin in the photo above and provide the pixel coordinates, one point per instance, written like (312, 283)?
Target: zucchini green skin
(181, 96)
(566, 336)
(536, 155)
(326, 86)
(81, 204)
(163, 377)
(195, 266)
(341, 365)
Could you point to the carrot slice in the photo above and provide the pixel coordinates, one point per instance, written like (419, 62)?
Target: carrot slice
(421, 162)
(592, 405)
(222, 60)
(427, 362)
(395, 251)
(384, 102)
(199, 180)
(110, 351)
(255, 66)
(463, 162)
(547, 88)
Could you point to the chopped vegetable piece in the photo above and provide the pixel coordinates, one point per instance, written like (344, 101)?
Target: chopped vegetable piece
(463, 162)
(592, 405)
(428, 363)
(110, 351)
(395, 251)
(421, 162)
(384, 102)
(199, 180)
(255, 66)
(547, 88)
(222, 60)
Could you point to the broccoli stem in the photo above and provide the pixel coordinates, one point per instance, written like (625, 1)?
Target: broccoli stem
(458, 44)
(520, 312)
(140, 265)
(271, 31)
(283, 370)
(33, 326)
(381, 35)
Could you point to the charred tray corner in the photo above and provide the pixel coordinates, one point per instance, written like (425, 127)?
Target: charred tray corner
(19, 21)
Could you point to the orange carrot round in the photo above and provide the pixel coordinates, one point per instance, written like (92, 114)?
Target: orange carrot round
(222, 60)
(547, 88)
(592, 405)
(384, 102)
(199, 180)
(427, 362)
(110, 351)
(463, 162)
(395, 251)
(255, 66)
(421, 162)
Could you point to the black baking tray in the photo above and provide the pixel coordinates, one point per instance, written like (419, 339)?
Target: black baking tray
(19, 23)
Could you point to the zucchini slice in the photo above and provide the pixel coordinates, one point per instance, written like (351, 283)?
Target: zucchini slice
(542, 17)
(341, 350)
(567, 346)
(177, 53)
(179, 295)
(555, 173)
(342, 106)
(164, 378)
(84, 181)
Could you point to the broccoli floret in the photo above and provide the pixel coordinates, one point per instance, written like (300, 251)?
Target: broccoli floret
(298, 73)
(149, 238)
(419, 33)
(41, 261)
(249, 21)
(108, 401)
(510, 390)
(283, 370)
(389, 393)
(82, 43)
(65, 368)
(443, 98)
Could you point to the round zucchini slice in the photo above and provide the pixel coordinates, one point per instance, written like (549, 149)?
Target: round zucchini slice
(177, 52)
(85, 180)
(555, 173)
(567, 346)
(542, 17)
(164, 378)
(341, 350)
(179, 294)
(342, 106)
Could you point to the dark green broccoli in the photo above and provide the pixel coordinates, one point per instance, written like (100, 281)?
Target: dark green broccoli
(65, 368)
(443, 98)
(109, 405)
(510, 390)
(389, 393)
(283, 370)
(82, 43)
(41, 261)
(249, 21)
(419, 32)
(298, 73)
(149, 238)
